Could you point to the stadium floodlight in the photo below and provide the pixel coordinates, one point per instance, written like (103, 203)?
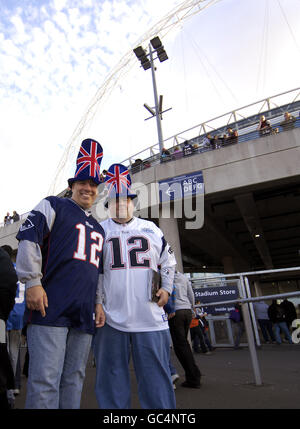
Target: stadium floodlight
(162, 55)
(156, 42)
(160, 50)
(141, 55)
(139, 52)
(147, 62)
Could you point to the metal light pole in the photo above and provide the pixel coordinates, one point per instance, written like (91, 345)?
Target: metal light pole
(155, 45)
(157, 112)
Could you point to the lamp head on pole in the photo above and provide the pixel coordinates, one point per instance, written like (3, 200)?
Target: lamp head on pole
(158, 47)
(141, 55)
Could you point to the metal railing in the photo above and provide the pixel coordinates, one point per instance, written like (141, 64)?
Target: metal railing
(244, 120)
(250, 133)
(246, 301)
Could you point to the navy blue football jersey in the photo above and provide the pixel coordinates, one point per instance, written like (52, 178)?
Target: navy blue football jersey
(71, 242)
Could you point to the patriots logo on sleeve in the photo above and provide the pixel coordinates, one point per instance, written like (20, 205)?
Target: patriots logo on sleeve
(26, 225)
(166, 271)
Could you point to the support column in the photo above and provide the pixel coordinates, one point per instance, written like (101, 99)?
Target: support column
(169, 226)
(227, 262)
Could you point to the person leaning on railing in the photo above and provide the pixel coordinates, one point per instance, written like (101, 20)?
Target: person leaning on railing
(289, 121)
(264, 126)
(137, 165)
(177, 152)
(232, 136)
(15, 216)
(7, 219)
(165, 155)
(187, 148)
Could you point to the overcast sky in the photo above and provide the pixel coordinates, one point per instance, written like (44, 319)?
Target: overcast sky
(56, 54)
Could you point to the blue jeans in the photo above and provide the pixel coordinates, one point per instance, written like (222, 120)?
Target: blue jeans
(282, 326)
(151, 356)
(57, 362)
(266, 328)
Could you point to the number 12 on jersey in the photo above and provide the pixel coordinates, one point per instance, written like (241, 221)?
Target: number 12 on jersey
(137, 258)
(94, 248)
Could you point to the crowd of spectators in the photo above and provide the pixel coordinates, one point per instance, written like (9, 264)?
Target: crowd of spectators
(211, 141)
(275, 320)
(8, 219)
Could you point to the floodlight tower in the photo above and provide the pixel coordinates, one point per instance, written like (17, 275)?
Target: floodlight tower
(147, 62)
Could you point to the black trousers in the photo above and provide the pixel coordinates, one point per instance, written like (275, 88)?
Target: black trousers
(179, 328)
(198, 339)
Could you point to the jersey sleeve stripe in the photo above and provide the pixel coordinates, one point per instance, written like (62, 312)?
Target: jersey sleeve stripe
(47, 210)
(164, 243)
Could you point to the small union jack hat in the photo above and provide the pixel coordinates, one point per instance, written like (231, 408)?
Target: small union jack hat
(88, 162)
(118, 183)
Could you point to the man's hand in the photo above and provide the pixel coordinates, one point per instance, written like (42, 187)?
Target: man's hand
(99, 316)
(163, 297)
(36, 299)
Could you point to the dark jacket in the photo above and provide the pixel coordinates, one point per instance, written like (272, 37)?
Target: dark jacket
(8, 287)
(276, 313)
(289, 311)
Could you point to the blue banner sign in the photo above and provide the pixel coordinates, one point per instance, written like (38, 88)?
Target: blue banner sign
(217, 294)
(179, 187)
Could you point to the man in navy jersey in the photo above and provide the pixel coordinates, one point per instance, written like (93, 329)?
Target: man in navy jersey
(136, 322)
(59, 261)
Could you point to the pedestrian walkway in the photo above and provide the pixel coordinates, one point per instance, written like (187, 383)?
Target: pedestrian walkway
(228, 381)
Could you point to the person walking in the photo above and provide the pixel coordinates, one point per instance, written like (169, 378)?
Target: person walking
(237, 323)
(179, 328)
(197, 335)
(203, 324)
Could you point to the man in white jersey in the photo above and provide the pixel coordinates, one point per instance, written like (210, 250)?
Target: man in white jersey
(134, 323)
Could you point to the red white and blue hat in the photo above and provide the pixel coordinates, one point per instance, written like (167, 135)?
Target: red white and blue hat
(88, 162)
(118, 183)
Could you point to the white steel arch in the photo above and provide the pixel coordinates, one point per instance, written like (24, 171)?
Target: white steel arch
(170, 21)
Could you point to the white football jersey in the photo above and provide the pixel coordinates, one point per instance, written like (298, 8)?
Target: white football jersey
(131, 251)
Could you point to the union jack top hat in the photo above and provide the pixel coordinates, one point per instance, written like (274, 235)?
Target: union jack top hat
(118, 183)
(88, 162)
